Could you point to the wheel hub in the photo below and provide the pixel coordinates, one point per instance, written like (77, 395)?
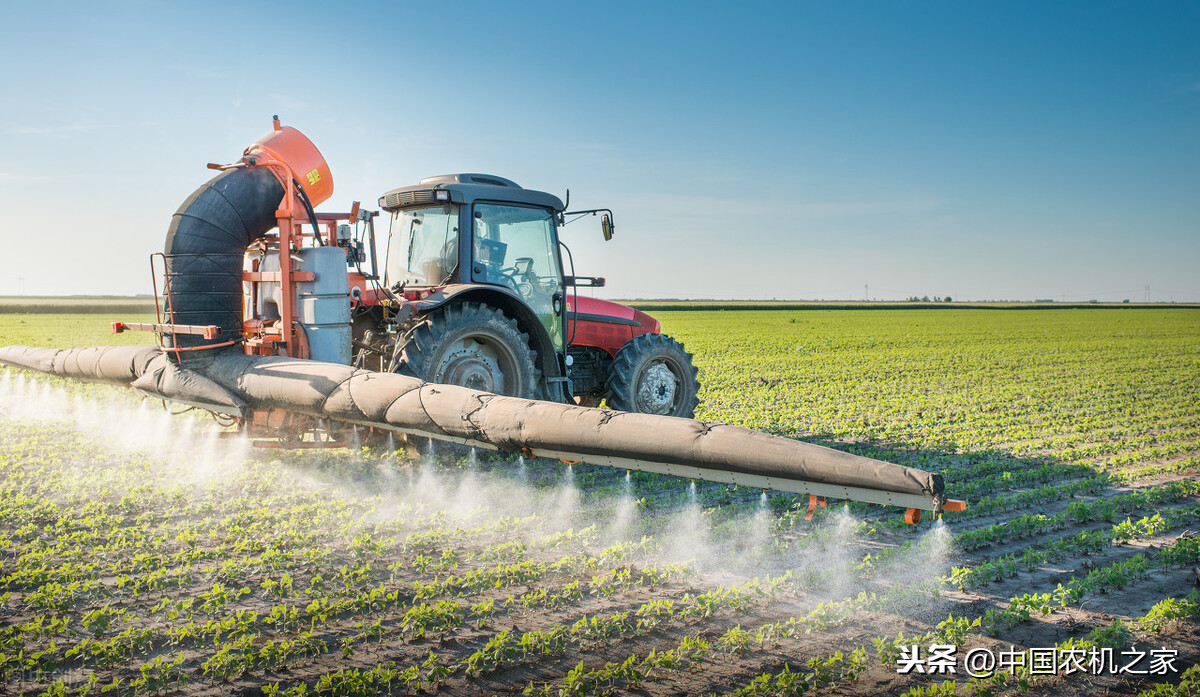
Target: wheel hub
(474, 365)
(656, 389)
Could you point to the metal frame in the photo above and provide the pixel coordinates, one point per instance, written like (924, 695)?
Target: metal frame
(795, 486)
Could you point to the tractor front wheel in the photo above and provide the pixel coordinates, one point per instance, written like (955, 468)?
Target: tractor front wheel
(653, 374)
(476, 346)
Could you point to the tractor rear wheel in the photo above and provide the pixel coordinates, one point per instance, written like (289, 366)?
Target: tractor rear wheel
(653, 374)
(476, 346)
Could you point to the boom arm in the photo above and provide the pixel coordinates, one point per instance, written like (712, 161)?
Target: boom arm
(237, 384)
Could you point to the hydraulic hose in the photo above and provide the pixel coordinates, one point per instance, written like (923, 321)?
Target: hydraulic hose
(312, 213)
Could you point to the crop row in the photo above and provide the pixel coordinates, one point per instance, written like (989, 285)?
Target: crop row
(605, 680)
(1020, 609)
(1113, 636)
(695, 650)
(1085, 542)
(132, 641)
(506, 648)
(1105, 509)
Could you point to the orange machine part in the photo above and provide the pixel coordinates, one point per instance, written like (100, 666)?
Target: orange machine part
(294, 149)
(813, 502)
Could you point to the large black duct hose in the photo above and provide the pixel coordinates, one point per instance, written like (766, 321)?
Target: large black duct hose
(205, 247)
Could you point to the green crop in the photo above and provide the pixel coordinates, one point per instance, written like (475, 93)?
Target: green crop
(1073, 434)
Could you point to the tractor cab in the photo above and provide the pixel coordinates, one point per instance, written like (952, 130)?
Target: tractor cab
(478, 229)
(475, 294)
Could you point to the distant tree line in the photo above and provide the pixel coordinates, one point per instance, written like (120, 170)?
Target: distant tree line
(926, 299)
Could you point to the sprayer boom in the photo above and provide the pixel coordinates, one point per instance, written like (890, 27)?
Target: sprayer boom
(238, 385)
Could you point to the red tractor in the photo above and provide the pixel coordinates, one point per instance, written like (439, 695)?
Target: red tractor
(474, 293)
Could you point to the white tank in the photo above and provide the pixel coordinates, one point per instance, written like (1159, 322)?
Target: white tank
(322, 306)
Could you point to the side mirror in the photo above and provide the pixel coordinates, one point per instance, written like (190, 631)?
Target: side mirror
(606, 227)
(585, 281)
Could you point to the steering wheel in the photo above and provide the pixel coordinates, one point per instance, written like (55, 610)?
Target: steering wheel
(509, 278)
(522, 268)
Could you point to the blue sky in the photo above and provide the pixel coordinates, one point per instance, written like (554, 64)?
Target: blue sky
(787, 150)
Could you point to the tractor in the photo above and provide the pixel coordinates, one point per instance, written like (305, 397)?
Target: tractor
(474, 292)
(263, 318)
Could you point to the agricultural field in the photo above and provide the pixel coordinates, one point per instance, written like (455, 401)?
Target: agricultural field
(142, 552)
(73, 305)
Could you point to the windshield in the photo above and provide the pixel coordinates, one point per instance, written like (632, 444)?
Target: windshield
(422, 246)
(514, 246)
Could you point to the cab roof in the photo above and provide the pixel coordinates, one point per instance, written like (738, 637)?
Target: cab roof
(467, 188)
